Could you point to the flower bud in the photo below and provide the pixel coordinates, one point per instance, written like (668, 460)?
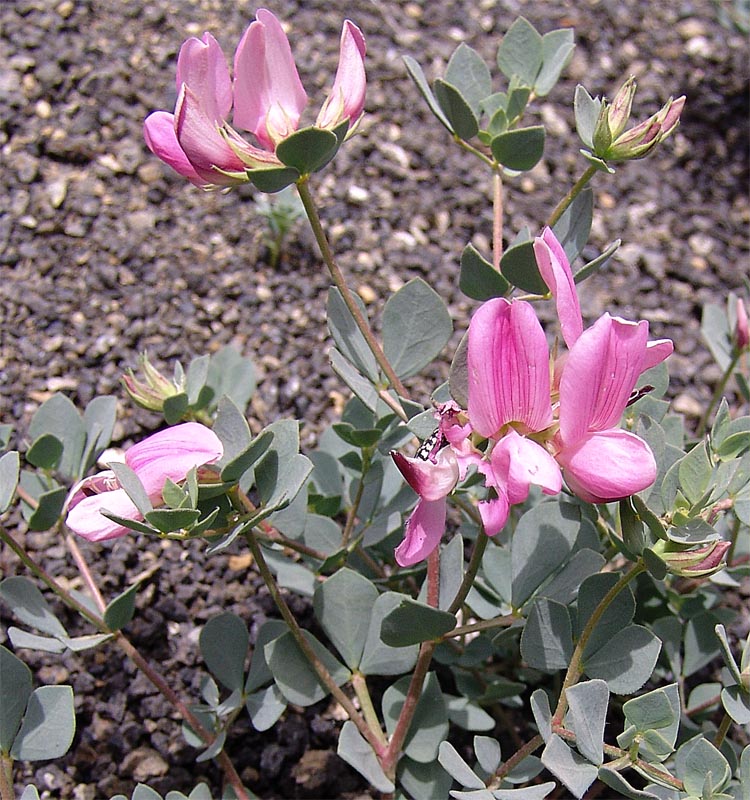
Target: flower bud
(609, 141)
(698, 562)
(151, 392)
(741, 330)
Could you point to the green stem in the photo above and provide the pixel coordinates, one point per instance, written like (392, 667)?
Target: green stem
(483, 625)
(497, 218)
(471, 573)
(515, 759)
(323, 674)
(341, 285)
(359, 684)
(726, 723)
(351, 516)
(571, 195)
(575, 667)
(718, 392)
(476, 152)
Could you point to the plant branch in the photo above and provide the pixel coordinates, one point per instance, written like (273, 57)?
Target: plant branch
(359, 684)
(577, 188)
(718, 392)
(471, 572)
(323, 674)
(351, 516)
(341, 285)
(6, 778)
(497, 218)
(483, 625)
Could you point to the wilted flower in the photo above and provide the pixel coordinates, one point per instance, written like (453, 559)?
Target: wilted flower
(610, 140)
(151, 392)
(265, 96)
(168, 454)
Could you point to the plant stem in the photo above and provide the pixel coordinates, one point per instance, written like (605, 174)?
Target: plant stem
(351, 516)
(471, 572)
(83, 568)
(515, 759)
(483, 625)
(726, 723)
(323, 674)
(497, 218)
(341, 285)
(433, 578)
(571, 195)
(718, 392)
(574, 668)
(359, 684)
(6, 778)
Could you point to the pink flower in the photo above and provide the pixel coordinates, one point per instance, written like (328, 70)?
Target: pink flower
(171, 453)
(266, 95)
(741, 331)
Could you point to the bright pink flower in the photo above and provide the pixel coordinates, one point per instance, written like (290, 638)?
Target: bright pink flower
(171, 453)
(267, 97)
(602, 463)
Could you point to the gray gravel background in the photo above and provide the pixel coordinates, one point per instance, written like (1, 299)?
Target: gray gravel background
(105, 253)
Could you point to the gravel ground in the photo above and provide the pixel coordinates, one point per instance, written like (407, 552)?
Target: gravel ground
(105, 253)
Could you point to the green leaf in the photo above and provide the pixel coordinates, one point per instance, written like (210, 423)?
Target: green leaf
(232, 429)
(586, 113)
(347, 336)
(542, 713)
(726, 652)
(120, 611)
(60, 418)
(479, 279)
(173, 520)
(736, 703)
(416, 327)
(45, 451)
(615, 781)
(175, 407)
(566, 765)
(412, 622)
(461, 117)
(700, 645)
(259, 673)
(223, 642)
(9, 473)
(518, 265)
(29, 605)
(488, 753)
(235, 468)
(521, 52)
(293, 674)
(379, 658)
(418, 76)
(565, 584)
(368, 437)
(47, 644)
(308, 150)
(544, 538)
(343, 605)
(557, 49)
(99, 419)
(468, 73)
(48, 725)
(716, 334)
(574, 226)
(132, 485)
(517, 100)
(587, 712)
(273, 179)
(423, 780)
(695, 760)
(430, 722)
(519, 149)
(695, 472)
(468, 715)
(459, 374)
(361, 387)
(597, 263)
(48, 510)
(626, 661)
(547, 640)
(31, 793)
(356, 751)
(457, 768)
(15, 691)
(538, 792)
(265, 707)
(233, 375)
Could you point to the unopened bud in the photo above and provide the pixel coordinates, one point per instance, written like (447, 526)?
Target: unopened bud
(698, 562)
(619, 112)
(151, 392)
(741, 330)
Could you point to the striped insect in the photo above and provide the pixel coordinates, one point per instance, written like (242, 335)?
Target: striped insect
(430, 445)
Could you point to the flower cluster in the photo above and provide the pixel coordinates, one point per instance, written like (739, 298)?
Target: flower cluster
(265, 97)
(530, 422)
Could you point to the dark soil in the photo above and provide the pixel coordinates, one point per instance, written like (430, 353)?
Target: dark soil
(105, 253)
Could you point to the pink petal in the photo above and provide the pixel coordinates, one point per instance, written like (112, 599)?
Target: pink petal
(347, 98)
(555, 270)
(202, 66)
(161, 140)
(202, 143)
(172, 453)
(508, 362)
(431, 480)
(424, 530)
(494, 514)
(656, 351)
(86, 519)
(607, 466)
(518, 462)
(268, 94)
(599, 375)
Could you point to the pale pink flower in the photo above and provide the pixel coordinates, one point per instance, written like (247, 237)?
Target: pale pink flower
(266, 96)
(170, 453)
(742, 330)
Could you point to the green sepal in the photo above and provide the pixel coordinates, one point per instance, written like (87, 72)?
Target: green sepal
(307, 150)
(273, 179)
